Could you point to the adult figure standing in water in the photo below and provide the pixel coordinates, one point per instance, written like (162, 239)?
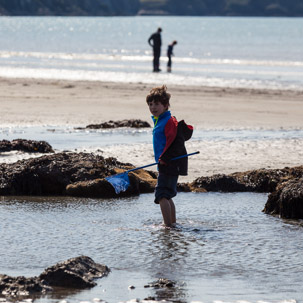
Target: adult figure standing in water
(155, 42)
(169, 54)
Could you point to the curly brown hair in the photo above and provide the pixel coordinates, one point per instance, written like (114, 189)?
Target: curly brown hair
(159, 94)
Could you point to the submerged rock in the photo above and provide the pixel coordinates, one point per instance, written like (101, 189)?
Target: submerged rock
(29, 146)
(287, 200)
(77, 273)
(161, 283)
(133, 123)
(52, 175)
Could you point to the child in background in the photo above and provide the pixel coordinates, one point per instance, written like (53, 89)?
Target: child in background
(169, 54)
(169, 138)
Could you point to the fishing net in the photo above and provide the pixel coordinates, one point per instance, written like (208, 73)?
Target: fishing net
(119, 182)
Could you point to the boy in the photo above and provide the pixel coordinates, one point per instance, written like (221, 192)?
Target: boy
(169, 54)
(169, 136)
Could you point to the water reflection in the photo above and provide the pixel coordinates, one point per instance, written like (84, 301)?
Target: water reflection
(170, 253)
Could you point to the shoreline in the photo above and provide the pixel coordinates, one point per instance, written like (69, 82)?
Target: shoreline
(29, 102)
(37, 102)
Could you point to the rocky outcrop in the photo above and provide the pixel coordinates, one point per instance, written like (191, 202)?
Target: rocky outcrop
(261, 180)
(76, 273)
(287, 200)
(28, 146)
(132, 123)
(83, 175)
(51, 174)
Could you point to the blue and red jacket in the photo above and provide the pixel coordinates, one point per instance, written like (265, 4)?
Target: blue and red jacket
(169, 138)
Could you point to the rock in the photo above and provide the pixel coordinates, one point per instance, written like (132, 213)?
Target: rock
(261, 180)
(133, 123)
(92, 189)
(21, 286)
(287, 200)
(140, 182)
(50, 174)
(77, 272)
(161, 283)
(29, 146)
(220, 182)
(75, 174)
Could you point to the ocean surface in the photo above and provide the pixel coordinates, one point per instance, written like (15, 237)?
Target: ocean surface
(211, 51)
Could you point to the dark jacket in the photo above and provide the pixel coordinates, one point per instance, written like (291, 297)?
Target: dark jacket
(177, 148)
(156, 38)
(170, 50)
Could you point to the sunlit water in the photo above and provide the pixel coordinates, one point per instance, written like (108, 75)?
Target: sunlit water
(223, 249)
(70, 137)
(212, 51)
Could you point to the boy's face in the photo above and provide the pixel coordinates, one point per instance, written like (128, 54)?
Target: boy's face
(157, 108)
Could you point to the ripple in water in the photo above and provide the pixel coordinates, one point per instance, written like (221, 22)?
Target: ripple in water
(223, 248)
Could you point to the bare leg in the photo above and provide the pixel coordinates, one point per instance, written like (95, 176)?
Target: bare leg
(172, 211)
(165, 206)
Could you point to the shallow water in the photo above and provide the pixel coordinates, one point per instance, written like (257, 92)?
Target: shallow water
(212, 51)
(223, 249)
(70, 137)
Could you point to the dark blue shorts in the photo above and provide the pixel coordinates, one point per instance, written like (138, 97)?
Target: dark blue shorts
(166, 187)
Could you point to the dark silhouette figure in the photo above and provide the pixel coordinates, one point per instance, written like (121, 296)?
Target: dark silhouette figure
(156, 45)
(170, 54)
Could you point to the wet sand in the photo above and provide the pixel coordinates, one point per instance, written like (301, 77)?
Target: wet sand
(52, 102)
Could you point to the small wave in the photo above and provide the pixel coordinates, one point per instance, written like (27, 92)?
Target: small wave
(147, 58)
(147, 78)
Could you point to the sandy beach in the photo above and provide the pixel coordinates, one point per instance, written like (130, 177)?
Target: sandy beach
(28, 102)
(56, 102)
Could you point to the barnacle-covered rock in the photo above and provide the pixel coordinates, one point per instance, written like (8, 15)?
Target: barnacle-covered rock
(132, 123)
(76, 273)
(260, 180)
(287, 200)
(50, 174)
(28, 146)
(76, 174)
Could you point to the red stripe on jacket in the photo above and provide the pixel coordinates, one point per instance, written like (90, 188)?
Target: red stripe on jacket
(170, 132)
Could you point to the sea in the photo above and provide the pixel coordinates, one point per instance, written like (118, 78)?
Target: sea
(224, 249)
(211, 51)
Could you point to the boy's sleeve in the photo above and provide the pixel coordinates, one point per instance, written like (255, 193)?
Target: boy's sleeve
(170, 132)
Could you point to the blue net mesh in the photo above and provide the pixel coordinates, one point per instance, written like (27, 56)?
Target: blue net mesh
(119, 182)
